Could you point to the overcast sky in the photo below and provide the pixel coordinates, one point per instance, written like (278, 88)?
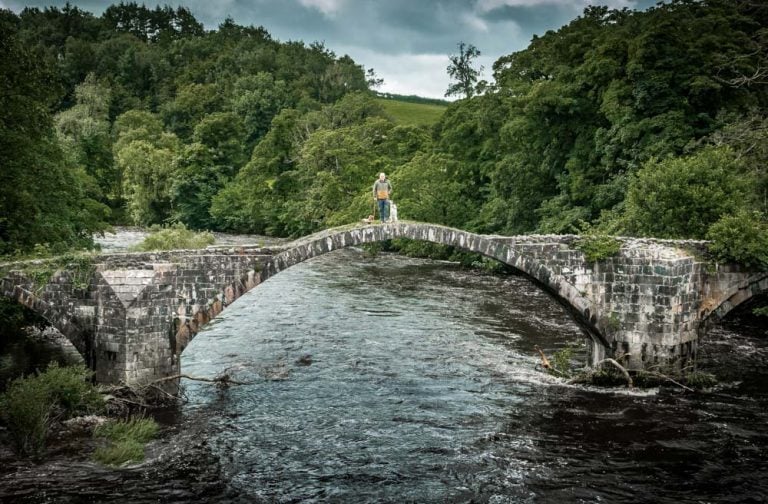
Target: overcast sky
(407, 42)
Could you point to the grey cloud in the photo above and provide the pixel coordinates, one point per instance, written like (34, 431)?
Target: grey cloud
(390, 27)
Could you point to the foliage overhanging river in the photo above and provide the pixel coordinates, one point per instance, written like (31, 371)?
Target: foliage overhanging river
(406, 380)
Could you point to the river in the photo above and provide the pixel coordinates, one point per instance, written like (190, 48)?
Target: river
(391, 379)
(422, 387)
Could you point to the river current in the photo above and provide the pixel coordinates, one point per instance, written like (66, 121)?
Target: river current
(403, 380)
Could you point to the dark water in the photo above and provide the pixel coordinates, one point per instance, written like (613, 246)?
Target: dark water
(401, 380)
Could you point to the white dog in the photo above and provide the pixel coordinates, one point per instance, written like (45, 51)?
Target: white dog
(392, 211)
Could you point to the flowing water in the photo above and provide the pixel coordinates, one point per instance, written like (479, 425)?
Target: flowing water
(405, 380)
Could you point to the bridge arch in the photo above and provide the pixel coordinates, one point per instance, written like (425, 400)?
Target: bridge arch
(493, 247)
(734, 296)
(76, 328)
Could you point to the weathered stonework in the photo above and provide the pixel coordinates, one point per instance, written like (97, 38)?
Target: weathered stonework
(140, 310)
(650, 303)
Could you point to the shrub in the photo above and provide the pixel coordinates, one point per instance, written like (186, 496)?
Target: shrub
(139, 429)
(700, 380)
(481, 262)
(742, 238)
(417, 248)
(176, 237)
(28, 411)
(70, 389)
(120, 452)
(598, 247)
(440, 252)
(561, 361)
(31, 404)
(373, 249)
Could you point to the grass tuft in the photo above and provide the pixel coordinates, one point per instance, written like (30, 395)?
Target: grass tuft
(125, 440)
(120, 452)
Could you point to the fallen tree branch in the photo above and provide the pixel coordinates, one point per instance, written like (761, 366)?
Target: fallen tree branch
(146, 396)
(665, 377)
(128, 401)
(621, 368)
(223, 380)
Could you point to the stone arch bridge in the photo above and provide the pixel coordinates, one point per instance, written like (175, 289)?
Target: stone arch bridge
(132, 314)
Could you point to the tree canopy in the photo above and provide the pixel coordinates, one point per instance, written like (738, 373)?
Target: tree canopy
(648, 123)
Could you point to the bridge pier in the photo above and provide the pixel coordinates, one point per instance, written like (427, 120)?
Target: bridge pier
(164, 304)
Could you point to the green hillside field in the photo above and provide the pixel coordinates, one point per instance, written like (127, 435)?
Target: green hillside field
(412, 113)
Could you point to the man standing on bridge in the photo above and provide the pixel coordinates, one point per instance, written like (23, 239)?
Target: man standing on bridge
(382, 190)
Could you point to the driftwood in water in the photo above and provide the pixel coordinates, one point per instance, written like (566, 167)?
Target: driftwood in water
(661, 376)
(588, 377)
(544, 361)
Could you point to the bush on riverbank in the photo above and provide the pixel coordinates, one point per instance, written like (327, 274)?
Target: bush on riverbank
(742, 238)
(126, 440)
(33, 403)
(176, 237)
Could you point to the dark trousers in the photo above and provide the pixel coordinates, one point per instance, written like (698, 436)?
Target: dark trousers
(383, 209)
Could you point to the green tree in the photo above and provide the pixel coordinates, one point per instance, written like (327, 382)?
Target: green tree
(463, 71)
(224, 135)
(205, 166)
(196, 180)
(341, 77)
(252, 201)
(147, 177)
(159, 24)
(257, 99)
(747, 136)
(741, 237)
(145, 156)
(85, 130)
(42, 195)
(334, 171)
(136, 125)
(683, 197)
(429, 190)
(192, 103)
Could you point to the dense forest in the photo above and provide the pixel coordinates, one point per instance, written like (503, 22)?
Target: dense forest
(638, 123)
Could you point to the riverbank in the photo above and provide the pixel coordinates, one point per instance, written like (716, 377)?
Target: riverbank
(179, 467)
